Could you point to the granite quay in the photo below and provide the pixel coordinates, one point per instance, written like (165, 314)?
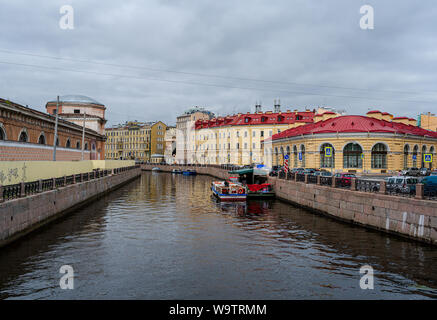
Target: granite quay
(27, 206)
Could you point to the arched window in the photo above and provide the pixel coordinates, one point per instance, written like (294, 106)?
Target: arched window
(327, 156)
(68, 144)
(415, 152)
(93, 147)
(295, 156)
(86, 145)
(288, 153)
(78, 145)
(282, 156)
(423, 156)
(406, 152)
(23, 136)
(57, 141)
(432, 151)
(2, 134)
(302, 150)
(352, 156)
(379, 156)
(41, 139)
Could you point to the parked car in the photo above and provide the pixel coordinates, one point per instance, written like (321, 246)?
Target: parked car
(433, 173)
(402, 184)
(430, 185)
(344, 179)
(410, 172)
(309, 171)
(425, 171)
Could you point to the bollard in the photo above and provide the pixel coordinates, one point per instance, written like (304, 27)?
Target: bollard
(382, 187)
(333, 182)
(318, 180)
(295, 176)
(81, 177)
(65, 180)
(306, 179)
(112, 172)
(39, 185)
(419, 191)
(74, 179)
(22, 190)
(53, 183)
(354, 184)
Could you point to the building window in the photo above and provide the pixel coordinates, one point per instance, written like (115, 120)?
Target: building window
(76, 111)
(295, 156)
(327, 160)
(57, 142)
(379, 156)
(2, 134)
(415, 152)
(262, 133)
(352, 156)
(23, 136)
(86, 145)
(406, 152)
(431, 150)
(77, 145)
(41, 139)
(423, 156)
(68, 144)
(302, 150)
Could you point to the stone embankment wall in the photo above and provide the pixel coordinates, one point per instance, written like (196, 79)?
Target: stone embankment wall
(20, 216)
(407, 217)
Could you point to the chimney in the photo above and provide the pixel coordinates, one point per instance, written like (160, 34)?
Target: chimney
(277, 106)
(257, 107)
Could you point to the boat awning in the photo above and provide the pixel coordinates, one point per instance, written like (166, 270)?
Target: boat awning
(254, 171)
(241, 171)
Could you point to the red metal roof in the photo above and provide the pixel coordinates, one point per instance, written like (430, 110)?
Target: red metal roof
(257, 118)
(343, 124)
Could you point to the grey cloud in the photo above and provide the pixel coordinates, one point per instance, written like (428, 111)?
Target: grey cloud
(308, 42)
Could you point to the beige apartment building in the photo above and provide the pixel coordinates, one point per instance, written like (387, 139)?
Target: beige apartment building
(236, 139)
(136, 140)
(170, 145)
(184, 129)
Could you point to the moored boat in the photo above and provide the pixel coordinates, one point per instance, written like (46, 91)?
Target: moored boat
(189, 172)
(176, 171)
(156, 169)
(255, 180)
(228, 191)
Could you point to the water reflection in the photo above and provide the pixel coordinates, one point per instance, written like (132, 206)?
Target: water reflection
(164, 237)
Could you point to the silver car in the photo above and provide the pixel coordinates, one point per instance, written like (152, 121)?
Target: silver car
(411, 172)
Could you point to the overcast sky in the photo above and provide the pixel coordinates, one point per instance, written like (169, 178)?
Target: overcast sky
(152, 60)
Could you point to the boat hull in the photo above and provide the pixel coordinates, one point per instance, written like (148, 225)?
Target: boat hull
(228, 197)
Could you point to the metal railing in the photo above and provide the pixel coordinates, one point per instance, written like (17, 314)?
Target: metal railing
(367, 185)
(24, 189)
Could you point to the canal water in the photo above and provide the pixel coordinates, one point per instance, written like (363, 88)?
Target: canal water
(162, 236)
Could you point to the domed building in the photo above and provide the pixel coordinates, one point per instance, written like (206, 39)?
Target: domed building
(375, 143)
(79, 109)
(73, 107)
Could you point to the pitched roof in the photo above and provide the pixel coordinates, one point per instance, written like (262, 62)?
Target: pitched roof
(256, 119)
(344, 124)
